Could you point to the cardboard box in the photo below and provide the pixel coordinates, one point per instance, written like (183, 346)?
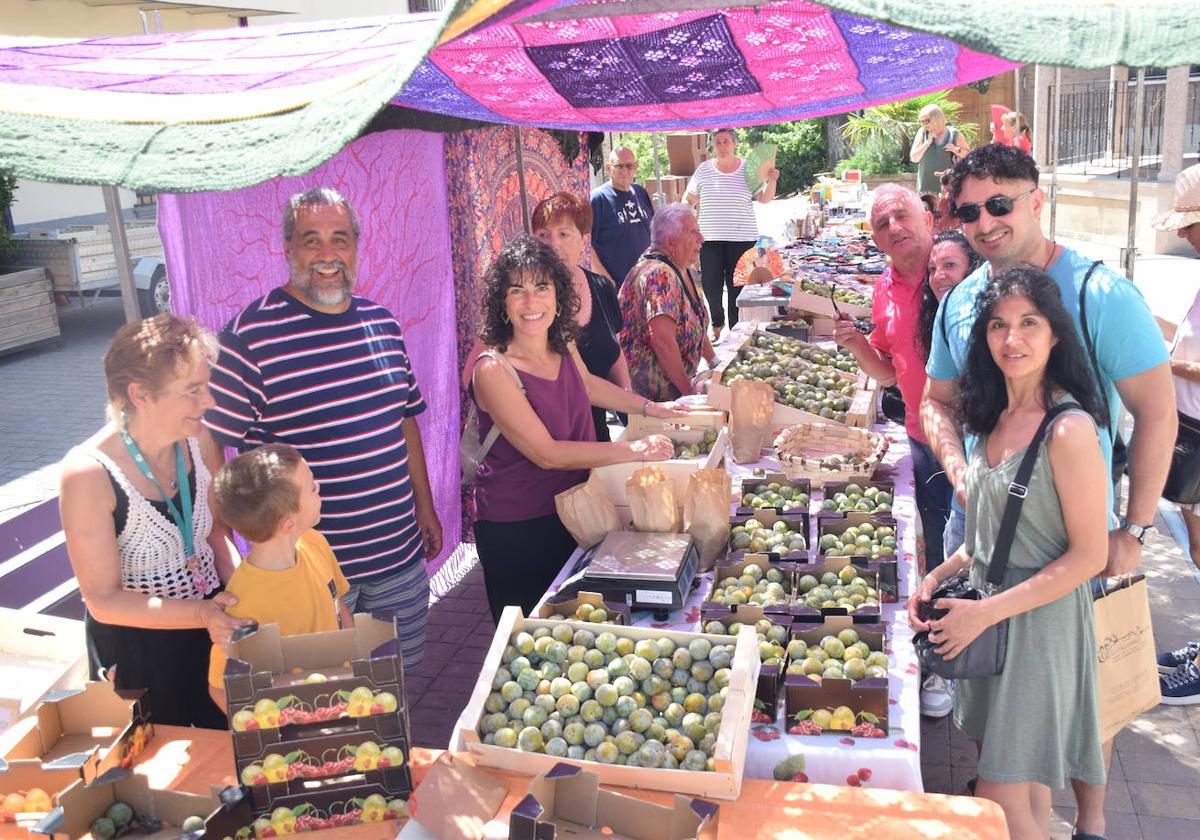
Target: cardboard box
(770, 677)
(711, 609)
(817, 304)
(869, 696)
(265, 665)
(330, 753)
(686, 151)
(91, 730)
(455, 800)
(340, 805)
(38, 654)
(80, 805)
(796, 520)
(729, 754)
(21, 776)
(613, 476)
(888, 566)
(567, 802)
(756, 484)
(617, 613)
(832, 488)
(867, 569)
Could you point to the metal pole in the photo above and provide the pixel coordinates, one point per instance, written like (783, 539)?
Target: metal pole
(1055, 115)
(658, 193)
(116, 228)
(1135, 165)
(521, 178)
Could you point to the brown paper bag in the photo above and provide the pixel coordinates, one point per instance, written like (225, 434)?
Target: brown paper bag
(751, 408)
(651, 498)
(587, 512)
(706, 514)
(1126, 665)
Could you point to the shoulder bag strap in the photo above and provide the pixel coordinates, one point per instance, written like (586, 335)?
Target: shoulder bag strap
(1091, 348)
(1016, 498)
(489, 439)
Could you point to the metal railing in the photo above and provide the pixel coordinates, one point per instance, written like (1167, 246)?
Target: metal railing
(1093, 124)
(419, 6)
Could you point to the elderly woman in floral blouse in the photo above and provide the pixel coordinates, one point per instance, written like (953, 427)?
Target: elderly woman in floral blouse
(665, 324)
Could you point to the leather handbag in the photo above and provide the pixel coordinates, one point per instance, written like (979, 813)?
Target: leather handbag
(472, 450)
(1183, 480)
(984, 657)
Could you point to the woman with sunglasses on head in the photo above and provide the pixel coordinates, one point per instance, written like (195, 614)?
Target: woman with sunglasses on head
(534, 386)
(1038, 720)
(935, 148)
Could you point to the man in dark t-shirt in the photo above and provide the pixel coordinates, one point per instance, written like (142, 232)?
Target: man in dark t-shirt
(621, 213)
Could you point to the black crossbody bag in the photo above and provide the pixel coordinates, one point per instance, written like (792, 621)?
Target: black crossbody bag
(984, 657)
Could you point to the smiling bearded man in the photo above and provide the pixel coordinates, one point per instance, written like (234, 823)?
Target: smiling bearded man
(315, 366)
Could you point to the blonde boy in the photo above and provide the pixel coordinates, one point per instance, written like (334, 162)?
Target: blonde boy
(290, 577)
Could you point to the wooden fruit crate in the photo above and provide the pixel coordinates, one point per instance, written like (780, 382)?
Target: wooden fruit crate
(816, 304)
(860, 414)
(730, 753)
(818, 440)
(27, 310)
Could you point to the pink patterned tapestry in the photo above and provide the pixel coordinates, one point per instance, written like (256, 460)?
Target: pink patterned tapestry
(224, 249)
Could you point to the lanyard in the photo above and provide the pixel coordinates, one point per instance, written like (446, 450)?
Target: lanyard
(182, 521)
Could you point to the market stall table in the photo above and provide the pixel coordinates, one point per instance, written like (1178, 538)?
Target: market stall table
(195, 760)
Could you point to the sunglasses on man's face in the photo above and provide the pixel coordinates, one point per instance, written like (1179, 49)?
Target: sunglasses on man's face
(997, 205)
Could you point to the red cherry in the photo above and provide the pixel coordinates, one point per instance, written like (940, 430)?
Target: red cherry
(900, 742)
(251, 724)
(847, 741)
(864, 773)
(384, 762)
(376, 708)
(853, 781)
(800, 777)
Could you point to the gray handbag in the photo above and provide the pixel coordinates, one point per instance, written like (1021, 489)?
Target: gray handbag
(984, 657)
(472, 450)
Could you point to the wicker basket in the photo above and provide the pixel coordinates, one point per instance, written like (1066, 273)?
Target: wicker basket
(824, 452)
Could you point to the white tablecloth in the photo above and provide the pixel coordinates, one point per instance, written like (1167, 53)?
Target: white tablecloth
(894, 761)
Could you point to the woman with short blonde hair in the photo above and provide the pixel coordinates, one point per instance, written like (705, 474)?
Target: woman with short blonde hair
(935, 148)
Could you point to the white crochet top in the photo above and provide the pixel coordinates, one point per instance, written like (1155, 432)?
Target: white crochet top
(151, 547)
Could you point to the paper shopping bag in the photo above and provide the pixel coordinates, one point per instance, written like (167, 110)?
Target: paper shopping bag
(651, 497)
(706, 514)
(1126, 665)
(587, 512)
(752, 405)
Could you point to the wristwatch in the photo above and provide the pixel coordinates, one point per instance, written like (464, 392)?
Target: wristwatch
(1142, 533)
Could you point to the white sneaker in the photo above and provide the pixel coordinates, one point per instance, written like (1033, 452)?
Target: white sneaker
(937, 698)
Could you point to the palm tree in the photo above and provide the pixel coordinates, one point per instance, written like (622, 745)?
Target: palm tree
(896, 123)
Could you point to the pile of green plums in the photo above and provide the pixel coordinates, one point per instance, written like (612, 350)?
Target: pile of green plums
(754, 586)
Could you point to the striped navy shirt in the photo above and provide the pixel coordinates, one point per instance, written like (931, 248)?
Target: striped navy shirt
(336, 387)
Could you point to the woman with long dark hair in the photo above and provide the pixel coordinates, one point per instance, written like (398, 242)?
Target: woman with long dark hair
(951, 260)
(1038, 720)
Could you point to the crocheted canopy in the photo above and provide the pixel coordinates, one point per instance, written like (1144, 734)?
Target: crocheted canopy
(219, 109)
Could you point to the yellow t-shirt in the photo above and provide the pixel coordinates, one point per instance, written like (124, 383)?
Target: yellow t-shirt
(302, 599)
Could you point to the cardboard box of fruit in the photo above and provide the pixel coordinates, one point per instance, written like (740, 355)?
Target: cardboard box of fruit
(274, 681)
(832, 586)
(702, 684)
(874, 498)
(586, 606)
(313, 810)
(701, 442)
(862, 537)
(824, 386)
(567, 802)
(38, 654)
(774, 491)
(756, 580)
(92, 730)
(127, 807)
(781, 536)
(28, 792)
(331, 752)
(836, 681)
(773, 631)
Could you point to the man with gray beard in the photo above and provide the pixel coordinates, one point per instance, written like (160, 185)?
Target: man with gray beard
(315, 366)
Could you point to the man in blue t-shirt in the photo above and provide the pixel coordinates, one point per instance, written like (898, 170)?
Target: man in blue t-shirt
(621, 214)
(994, 192)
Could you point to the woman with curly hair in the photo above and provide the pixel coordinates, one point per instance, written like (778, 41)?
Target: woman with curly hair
(951, 260)
(1037, 721)
(547, 441)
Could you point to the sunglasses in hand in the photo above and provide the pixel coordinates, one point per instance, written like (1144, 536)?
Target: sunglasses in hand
(997, 205)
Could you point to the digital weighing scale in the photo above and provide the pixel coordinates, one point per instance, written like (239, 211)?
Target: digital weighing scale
(651, 571)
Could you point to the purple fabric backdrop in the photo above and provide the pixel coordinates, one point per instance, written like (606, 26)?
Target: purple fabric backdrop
(225, 249)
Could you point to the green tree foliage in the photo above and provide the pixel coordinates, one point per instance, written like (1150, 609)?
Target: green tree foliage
(882, 135)
(8, 186)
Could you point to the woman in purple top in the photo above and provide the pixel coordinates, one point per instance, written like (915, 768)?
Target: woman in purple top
(547, 440)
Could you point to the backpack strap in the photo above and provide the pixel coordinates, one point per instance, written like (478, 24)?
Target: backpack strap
(1017, 491)
(494, 432)
(1091, 348)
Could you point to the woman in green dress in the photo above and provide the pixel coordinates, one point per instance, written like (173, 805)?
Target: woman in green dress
(1037, 721)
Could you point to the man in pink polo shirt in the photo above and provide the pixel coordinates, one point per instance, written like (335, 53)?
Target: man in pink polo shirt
(903, 229)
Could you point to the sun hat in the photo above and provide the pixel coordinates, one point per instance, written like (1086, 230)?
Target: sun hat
(1187, 201)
